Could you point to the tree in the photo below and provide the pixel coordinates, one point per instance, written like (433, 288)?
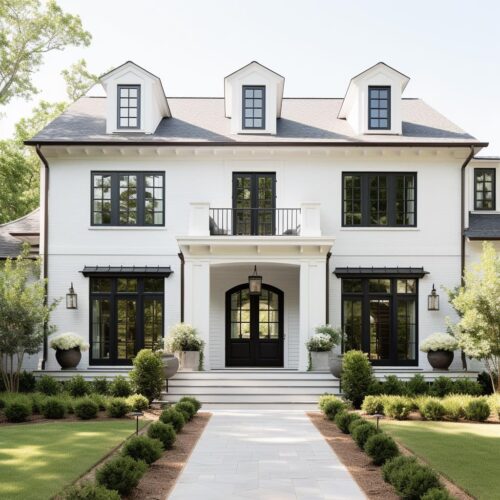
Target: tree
(478, 306)
(78, 80)
(23, 314)
(27, 33)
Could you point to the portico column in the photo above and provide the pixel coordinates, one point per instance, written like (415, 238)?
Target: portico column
(197, 301)
(312, 304)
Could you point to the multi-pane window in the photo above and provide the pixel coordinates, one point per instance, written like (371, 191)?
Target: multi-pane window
(129, 106)
(128, 198)
(379, 108)
(254, 107)
(379, 317)
(484, 189)
(379, 199)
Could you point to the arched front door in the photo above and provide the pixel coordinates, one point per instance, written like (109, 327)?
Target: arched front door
(254, 327)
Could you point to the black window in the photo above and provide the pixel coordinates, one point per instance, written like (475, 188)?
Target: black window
(128, 199)
(254, 107)
(126, 316)
(484, 189)
(379, 108)
(379, 317)
(379, 199)
(129, 106)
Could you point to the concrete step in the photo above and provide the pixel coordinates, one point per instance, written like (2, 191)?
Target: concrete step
(252, 375)
(240, 399)
(213, 382)
(220, 389)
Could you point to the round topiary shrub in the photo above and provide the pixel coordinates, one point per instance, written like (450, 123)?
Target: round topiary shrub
(122, 474)
(331, 407)
(356, 376)
(164, 432)
(187, 409)
(373, 404)
(138, 402)
(432, 410)
(413, 480)
(174, 417)
(99, 400)
(86, 409)
(343, 419)
(190, 399)
(120, 387)
(143, 448)
(77, 386)
(355, 423)
(380, 448)
(17, 411)
(477, 409)
(361, 433)
(90, 491)
(397, 407)
(436, 494)
(100, 385)
(453, 407)
(394, 464)
(27, 382)
(54, 407)
(147, 374)
(48, 385)
(117, 408)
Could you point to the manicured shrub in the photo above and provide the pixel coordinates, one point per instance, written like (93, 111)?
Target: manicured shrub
(380, 448)
(397, 407)
(195, 402)
(147, 374)
(48, 385)
(417, 386)
(17, 411)
(164, 432)
(441, 387)
(37, 401)
(138, 402)
(332, 406)
(467, 386)
(375, 388)
(3, 402)
(174, 417)
(122, 474)
(436, 494)
(100, 385)
(393, 465)
(343, 419)
(90, 491)
(143, 448)
(477, 409)
(86, 409)
(393, 386)
(187, 409)
(373, 404)
(355, 423)
(27, 382)
(361, 433)
(433, 410)
(117, 408)
(454, 406)
(413, 480)
(323, 399)
(54, 407)
(356, 376)
(77, 386)
(100, 400)
(120, 387)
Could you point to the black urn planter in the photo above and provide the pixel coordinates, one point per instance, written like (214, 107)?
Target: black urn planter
(68, 358)
(440, 360)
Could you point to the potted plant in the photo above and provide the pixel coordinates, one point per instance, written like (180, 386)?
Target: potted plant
(320, 346)
(169, 360)
(183, 339)
(68, 347)
(439, 348)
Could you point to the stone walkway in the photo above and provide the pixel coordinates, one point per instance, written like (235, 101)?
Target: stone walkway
(263, 455)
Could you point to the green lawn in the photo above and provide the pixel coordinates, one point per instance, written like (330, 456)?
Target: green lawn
(468, 454)
(39, 460)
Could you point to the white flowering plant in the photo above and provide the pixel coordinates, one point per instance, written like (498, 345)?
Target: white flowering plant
(320, 342)
(68, 341)
(439, 342)
(183, 337)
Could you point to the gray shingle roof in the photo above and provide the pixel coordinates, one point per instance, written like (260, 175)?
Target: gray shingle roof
(483, 227)
(201, 120)
(27, 227)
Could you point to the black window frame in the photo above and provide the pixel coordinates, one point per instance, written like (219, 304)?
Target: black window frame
(365, 199)
(370, 109)
(394, 298)
(119, 107)
(477, 172)
(113, 295)
(115, 198)
(244, 107)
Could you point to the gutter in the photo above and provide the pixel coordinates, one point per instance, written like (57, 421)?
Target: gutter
(181, 257)
(327, 292)
(462, 213)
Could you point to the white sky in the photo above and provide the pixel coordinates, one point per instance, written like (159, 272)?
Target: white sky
(449, 49)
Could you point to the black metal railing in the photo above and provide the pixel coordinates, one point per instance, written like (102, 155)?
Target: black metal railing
(254, 221)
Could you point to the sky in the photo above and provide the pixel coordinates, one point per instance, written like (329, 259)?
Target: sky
(449, 48)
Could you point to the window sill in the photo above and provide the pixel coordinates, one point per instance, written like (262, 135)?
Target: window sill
(485, 212)
(380, 229)
(127, 228)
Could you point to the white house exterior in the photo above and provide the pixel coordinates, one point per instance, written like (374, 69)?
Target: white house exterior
(158, 210)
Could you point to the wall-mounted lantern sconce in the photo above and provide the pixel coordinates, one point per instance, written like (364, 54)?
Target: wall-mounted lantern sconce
(433, 300)
(71, 298)
(255, 283)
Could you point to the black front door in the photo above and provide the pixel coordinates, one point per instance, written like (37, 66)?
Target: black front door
(254, 203)
(254, 327)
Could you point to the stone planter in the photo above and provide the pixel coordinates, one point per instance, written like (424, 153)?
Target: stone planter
(68, 359)
(170, 365)
(336, 364)
(320, 361)
(440, 360)
(190, 361)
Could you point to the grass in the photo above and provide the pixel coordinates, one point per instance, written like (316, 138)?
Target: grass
(39, 460)
(466, 453)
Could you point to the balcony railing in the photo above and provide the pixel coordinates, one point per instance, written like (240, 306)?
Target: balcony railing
(254, 221)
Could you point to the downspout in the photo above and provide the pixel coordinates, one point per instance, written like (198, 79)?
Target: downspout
(327, 291)
(181, 257)
(45, 250)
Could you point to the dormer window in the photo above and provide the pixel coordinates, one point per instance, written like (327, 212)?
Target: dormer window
(254, 106)
(379, 108)
(129, 106)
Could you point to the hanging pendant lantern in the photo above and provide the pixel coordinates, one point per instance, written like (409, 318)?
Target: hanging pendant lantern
(433, 300)
(71, 298)
(255, 283)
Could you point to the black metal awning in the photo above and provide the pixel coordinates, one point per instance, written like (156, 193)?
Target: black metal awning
(137, 271)
(382, 272)
(483, 227)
